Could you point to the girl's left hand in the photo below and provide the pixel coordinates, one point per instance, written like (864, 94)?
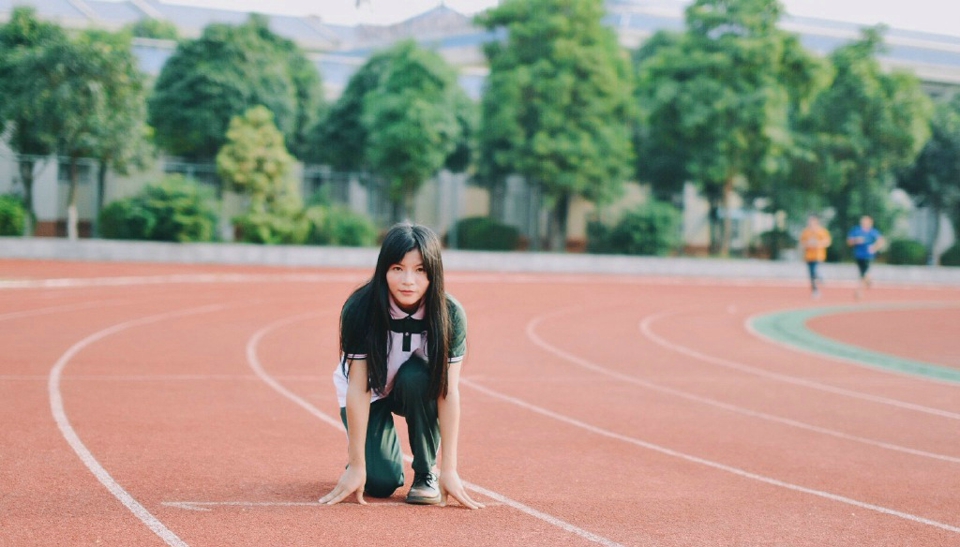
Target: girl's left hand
(451, 484)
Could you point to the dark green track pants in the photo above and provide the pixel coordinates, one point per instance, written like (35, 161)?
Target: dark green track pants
(409, 398)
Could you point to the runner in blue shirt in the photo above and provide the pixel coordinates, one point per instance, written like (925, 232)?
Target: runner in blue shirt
(866, 242)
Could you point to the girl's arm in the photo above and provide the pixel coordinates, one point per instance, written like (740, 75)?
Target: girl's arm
(354, 477)
(448, 410)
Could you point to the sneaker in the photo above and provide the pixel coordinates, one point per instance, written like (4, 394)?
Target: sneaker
(425, 490)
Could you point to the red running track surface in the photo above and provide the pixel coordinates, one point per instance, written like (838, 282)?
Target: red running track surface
(193, 405)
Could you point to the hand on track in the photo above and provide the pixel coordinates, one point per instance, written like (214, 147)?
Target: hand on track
(350, 481)
(451, 484)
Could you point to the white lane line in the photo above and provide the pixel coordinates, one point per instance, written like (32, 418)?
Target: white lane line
(733, 365)
(708, 463)
(210, 505)
(255, 364)
(593, 367)
(57, 309)
(87, 457)
(134, 281)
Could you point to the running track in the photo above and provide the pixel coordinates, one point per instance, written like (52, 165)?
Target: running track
(189, 405)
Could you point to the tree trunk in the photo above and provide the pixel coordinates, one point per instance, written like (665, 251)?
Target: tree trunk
(533, 216)
(727, 218)
(73, 219)
(714, 219)
(498, 198)
(26, 177)
(933, 259)
(101, 189)
(557, 226)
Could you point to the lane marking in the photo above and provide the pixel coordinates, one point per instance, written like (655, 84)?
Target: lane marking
(593, 367)
(57, 309)
(73, 439)
(210, 505)
(708, 463)
(254, 362)
(789, 329)
(455, 277)
(794, 380)
(134, 281)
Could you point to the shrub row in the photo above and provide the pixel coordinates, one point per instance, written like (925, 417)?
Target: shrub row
(176, 209)
(485, 234)
(179, 209)
(13, 216)
(651, 229)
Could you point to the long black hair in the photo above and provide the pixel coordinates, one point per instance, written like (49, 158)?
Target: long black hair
(365, 319)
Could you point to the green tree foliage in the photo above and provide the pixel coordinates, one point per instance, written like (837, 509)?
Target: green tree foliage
(556, 107)
(933, 180)
(126, 141)
(403, 116)
(83, 97)
(157, 29)
(340, 140)
(651, 229)
(863, 129)
(717, 101)
(221, 74)
(175, 209)
(411, 122)
(21, 109)
(338, 225)
(255, 162)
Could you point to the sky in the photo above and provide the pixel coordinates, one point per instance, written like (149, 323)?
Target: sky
(937, 16)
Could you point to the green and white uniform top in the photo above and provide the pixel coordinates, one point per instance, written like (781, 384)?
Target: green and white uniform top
(408, 337)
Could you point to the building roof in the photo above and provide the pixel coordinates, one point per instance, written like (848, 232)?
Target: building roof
(339, 50)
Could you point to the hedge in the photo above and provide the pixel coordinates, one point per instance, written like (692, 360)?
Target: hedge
(13, 216)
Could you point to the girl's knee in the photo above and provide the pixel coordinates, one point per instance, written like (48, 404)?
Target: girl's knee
(413, 377)
(382, 486)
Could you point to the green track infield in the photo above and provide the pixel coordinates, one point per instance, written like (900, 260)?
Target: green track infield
(790, 328)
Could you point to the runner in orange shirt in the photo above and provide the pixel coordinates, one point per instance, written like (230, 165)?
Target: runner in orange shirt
(814, 239)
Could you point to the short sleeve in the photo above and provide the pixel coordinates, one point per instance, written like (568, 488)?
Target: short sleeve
(458, 330)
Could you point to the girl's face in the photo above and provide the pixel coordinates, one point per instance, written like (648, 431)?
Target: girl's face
(407, 281)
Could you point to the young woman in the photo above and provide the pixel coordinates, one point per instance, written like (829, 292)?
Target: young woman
(402, 340)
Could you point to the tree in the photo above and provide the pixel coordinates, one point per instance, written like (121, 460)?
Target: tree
(403, 116)
(863, 129)
(556, 107)
(221, 74)
(157, 29)
(718, 100)
(340, 139)
(307, 84)
(255, 162)
(411, 122)
(126, 140)
(83, 98)
(934, 178)
(20, 109)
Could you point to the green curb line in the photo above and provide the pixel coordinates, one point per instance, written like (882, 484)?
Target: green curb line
(790, 328)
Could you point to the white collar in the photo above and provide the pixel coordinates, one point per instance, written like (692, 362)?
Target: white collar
(397, 313)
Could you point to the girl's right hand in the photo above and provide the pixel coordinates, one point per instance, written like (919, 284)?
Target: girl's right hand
(352, 480)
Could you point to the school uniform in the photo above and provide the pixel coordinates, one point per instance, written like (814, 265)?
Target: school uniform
(406, 394)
